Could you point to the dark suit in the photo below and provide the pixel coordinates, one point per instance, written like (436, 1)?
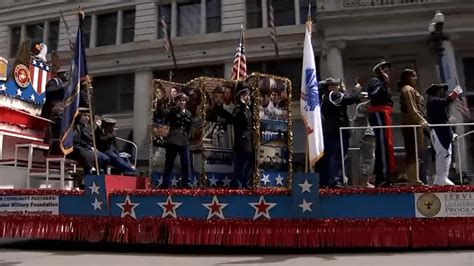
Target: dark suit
(244, 159)
(176, 143)
(53, 107)
(82, 149)
(106, 144)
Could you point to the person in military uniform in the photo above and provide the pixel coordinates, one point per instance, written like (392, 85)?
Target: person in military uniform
(105, 138)
(53, 106)
(244, 160)
(441, 137)
(334, 115)
(380, 114)
(179, 119)
(82, 145)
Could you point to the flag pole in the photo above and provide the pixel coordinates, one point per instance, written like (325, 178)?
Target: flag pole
(240, 44)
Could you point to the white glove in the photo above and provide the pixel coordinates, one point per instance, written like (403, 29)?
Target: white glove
(457, 89)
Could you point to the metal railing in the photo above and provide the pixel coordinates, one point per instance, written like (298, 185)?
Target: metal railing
(135, 149)
(359, 4)
(416, 141)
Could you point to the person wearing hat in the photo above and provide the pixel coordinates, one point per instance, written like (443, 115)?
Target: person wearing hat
(411, 107)
(244, 157)
(179, 119)
(53, 106)
(105, 140)
(441, 137)
(380, 114)
(334, 115)
(82, 145)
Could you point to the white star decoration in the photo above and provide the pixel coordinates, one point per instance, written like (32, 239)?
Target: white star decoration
(305, 186)
(3, 87)
(226, 181)
(18, 92)
(160, 180)
(94, 188)
(215, 208)
(212, 181)
(265, 179)
(41, 64)
(34, 62)
(44, 100)
(47, 68)
(169, 207)
(279, 180)
(262, 208)
(174, 181)
(97, 204)
(306, 206)
(32, 97)
(128, 207)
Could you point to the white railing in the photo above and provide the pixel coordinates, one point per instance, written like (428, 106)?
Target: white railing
(358, 4)
(458, 138)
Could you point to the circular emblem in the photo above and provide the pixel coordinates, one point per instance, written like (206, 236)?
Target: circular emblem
(22, 75)
(428, 204)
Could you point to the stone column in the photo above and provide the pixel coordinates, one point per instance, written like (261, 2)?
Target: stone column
(141, 111)
(118, 36)
(334, 58)
(264, 14)
(46, 33)
(297, 12)
(23, 33)
(174, 19)
(228, 70)
(203, 16)
(93, 36)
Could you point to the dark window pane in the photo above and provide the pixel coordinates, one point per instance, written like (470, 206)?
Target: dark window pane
(164, 11)
(189, 18)
(183, 75)
(213, 21)
(469, 73)
(34, 32)
(254, 13)
(86, 30)
(14, 40)
(304, 4)
(53, 35)
(106, 29)
(128, 30)
(114, 94)
(284, 12)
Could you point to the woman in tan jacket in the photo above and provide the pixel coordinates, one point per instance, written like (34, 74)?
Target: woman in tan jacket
(411, 104)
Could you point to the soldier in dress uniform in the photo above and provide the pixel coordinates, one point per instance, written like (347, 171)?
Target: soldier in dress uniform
(243, 144)
(53, 107)
(178, 141)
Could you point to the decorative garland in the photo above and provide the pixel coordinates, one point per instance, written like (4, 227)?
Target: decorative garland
(204, 192)
(40, 192)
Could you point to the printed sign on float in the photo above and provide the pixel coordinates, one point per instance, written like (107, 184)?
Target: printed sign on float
(446, 204)
(29, 205)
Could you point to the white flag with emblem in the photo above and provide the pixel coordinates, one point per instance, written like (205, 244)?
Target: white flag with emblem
(309, 104)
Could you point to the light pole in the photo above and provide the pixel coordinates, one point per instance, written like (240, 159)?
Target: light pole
(437, 37)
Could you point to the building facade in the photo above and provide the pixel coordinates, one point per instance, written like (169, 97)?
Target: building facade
(125, 46)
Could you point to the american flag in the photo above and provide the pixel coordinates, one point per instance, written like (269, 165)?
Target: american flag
(273, 33)
(167, 41)
(239, 68)
(40, 74)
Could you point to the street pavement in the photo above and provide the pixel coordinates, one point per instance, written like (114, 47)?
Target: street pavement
(33, 252)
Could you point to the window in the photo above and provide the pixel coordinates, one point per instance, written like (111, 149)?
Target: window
(128, 29)
(283, 11)
(184, 75)
(287, 68)
(106, 29)
(189, 17)
(53, 36)
(254, 13)
(469, 73)
(164, 11)
(213, 20)
(86, 31)
(114, 94)
(304, 4)
(34, 32)
(15, 36)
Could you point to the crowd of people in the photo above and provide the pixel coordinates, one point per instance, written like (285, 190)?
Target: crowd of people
(374, 113)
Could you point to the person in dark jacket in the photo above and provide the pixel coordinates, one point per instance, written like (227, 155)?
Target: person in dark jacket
(105, 141)
(178, 141)
(380, 114)
(244, 157)
(53, 106)
(441, 137)
(82, 145)
(334, 114)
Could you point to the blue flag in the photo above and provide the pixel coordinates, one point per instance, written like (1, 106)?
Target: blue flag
(72, 93)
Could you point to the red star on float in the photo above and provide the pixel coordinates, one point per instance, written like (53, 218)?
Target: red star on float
(262, 208)
(128, 207)
(215, 208)
(169, 207)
